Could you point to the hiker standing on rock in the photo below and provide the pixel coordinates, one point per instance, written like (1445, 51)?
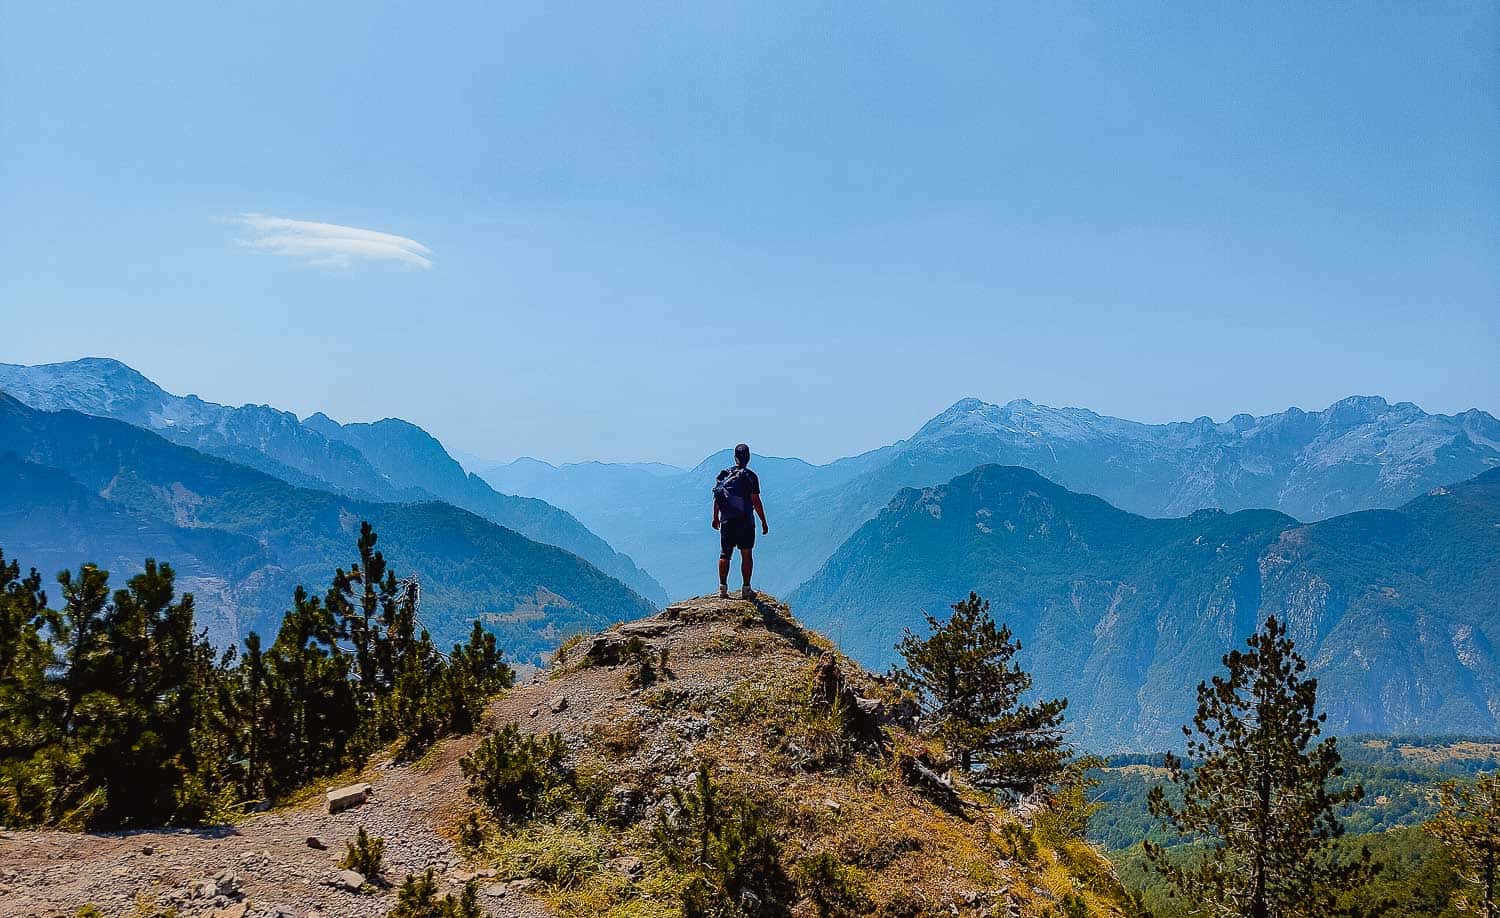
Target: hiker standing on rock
(736, 495)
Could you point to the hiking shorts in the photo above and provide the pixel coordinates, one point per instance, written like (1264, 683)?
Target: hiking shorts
(736, 533)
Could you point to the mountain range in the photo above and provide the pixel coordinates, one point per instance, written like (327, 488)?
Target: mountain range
(1359, 453)
(1127, 556)
(387, 461)
(1397, 611)
(77, 488)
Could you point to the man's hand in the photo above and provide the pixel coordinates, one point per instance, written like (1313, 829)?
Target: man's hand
(765, 528)
(715, 523)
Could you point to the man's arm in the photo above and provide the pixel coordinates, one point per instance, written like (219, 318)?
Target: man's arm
(765, 527)
(716, 513)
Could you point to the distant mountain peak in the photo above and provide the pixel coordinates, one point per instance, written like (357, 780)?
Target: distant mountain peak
(965, 405)
(1367, 402)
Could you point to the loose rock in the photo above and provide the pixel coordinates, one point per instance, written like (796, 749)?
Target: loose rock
(343, 798)
(351, 880)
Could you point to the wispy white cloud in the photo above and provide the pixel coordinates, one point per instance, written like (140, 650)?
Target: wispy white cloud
(328, 243)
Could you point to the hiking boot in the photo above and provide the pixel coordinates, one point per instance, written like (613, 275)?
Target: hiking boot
(723, 591)
(747, 593)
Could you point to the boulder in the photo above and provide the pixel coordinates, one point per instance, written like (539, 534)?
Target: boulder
(648, 628)
(343, 798)
(351, 880)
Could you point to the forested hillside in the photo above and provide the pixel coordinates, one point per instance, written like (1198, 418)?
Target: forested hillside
(1397, 609)
(110, 492)
(389, 461)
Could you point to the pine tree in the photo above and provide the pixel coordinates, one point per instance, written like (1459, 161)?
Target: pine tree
(1258, 791)
(474, 672)
(30, 703)
(1468, 826)
(139, 689)
(970, 691)
(254, 717)
(358, 613)
(115, 711)
(314, 713)
(727, 847)
(419, 700)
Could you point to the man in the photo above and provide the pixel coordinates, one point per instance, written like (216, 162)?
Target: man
(736, 500)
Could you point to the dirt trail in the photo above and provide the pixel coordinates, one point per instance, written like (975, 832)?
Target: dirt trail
(273, 869)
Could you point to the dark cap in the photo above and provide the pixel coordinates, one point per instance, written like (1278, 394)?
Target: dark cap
(742, 454)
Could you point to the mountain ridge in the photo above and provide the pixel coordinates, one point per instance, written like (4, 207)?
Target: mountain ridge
(245, 538)
(362, 461)
(1394, 609)
(1360, 452)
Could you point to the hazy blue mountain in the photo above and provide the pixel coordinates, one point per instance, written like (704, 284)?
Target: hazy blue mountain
(1359, 453)
(259, 436)
(388, 461)
(78, 487)
(1398, 611)
(406, 453)
(664, 514)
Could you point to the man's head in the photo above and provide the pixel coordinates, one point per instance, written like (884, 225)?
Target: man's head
(742, 455)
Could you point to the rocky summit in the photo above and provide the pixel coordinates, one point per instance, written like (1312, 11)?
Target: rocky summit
(855, 811)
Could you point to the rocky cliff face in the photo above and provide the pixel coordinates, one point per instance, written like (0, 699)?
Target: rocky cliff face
(1395, 609)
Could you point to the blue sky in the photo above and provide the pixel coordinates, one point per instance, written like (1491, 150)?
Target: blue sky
(650, 230)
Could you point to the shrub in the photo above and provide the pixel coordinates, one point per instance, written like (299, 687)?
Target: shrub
(1068, 810)
(471, 831)
(726, 847)
(418, 898)
(825, 736)
(1073, 906)
(835, 888)
(365, 855)
(516, 777)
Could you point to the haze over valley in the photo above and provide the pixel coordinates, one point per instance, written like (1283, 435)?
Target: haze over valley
(1128, 557)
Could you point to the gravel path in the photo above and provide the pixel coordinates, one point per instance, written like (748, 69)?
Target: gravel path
(262, 867)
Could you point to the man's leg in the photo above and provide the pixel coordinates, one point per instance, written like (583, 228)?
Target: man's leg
(747, 564)
(723, 575)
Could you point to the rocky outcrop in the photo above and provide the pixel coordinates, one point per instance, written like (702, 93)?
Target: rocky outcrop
(748, 695)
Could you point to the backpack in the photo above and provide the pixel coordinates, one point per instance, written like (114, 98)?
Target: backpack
(732, 493)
